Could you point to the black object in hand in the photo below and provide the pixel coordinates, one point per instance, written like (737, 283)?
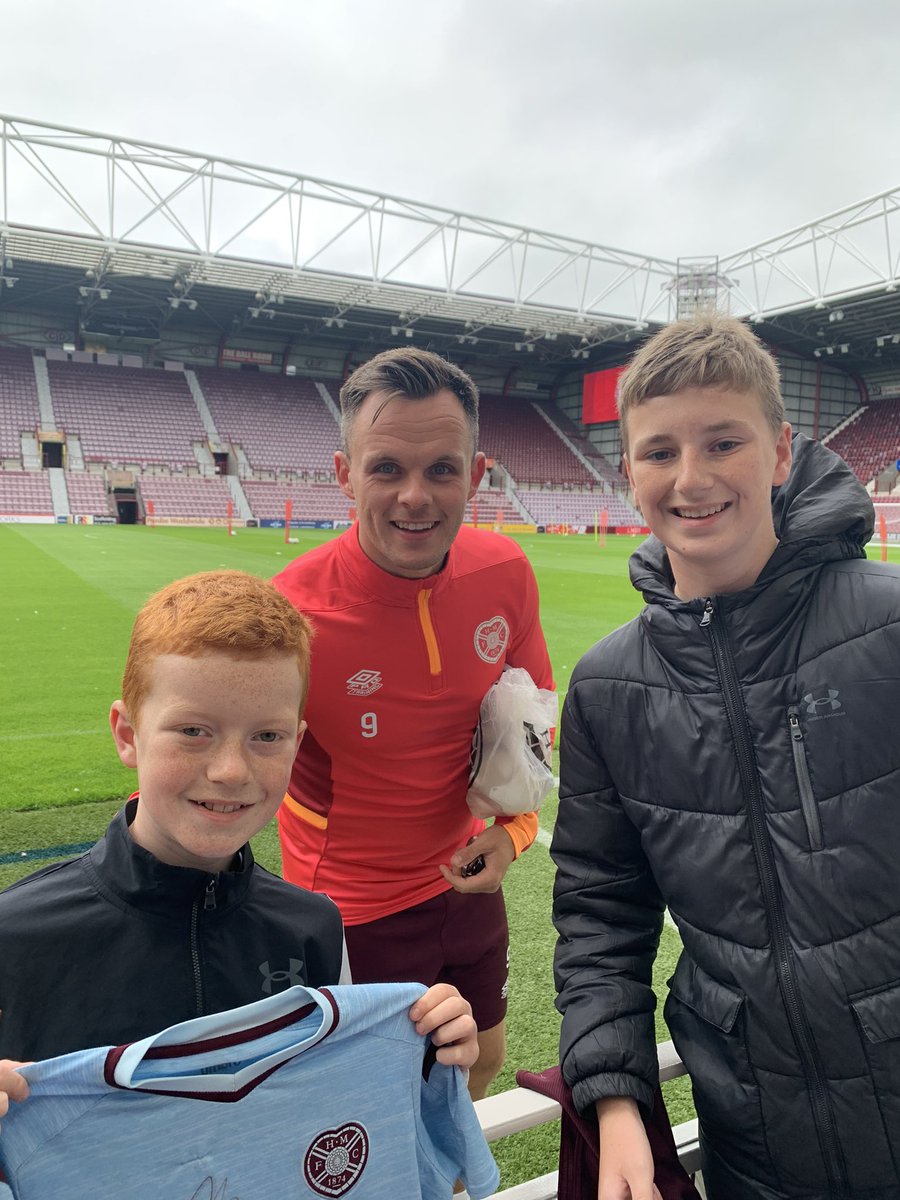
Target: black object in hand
(473, 867)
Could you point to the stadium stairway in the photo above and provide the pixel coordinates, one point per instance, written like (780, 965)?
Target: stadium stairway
(59, 492)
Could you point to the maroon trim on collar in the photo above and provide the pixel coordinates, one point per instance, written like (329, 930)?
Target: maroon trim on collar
(223, 1042)
(215, 1097)
(335, 1013)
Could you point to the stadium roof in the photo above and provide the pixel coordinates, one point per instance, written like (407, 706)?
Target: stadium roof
(140, 237)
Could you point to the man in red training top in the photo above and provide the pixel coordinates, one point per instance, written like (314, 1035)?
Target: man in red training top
(415, 618)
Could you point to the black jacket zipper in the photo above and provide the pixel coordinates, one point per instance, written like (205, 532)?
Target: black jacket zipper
(208, 902)
(804, 783)
(823, 1113)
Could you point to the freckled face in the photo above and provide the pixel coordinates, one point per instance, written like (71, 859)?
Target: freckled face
(702, 464)
(213, 746)
(410, 468)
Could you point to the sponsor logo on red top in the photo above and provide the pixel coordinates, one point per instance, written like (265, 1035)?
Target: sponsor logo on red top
(336, 1159)
(364, 683)
(490, 639)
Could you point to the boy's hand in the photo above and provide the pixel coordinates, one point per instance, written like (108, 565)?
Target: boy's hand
(626, 1163)
(495, 847)
(443, 1013)
(12, 1085)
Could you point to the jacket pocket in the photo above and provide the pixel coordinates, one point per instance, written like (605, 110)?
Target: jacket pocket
(878, 1017)
(707, 1021)
(804, 784)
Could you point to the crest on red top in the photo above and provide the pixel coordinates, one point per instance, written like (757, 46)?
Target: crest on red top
(491, 638)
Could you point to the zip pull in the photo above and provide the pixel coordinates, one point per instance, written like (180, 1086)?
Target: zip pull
(708, 611)
(209, 899)
(794, 723)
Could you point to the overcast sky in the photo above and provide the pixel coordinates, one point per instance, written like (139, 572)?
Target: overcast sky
(669, 127)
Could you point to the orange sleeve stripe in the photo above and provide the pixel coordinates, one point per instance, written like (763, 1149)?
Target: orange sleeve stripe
(304, 813)
(522, 829)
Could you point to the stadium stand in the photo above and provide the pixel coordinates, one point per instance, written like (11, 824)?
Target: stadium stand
(549, 507)
(582, 443)
(126, 415)
(87, 493)
(281, 423)
(310, 501)
(19, 412)
(25, 493)
(521, 441)
(185, 496)
(487, 503)
(871, 442)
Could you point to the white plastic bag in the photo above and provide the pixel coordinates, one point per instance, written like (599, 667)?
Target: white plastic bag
(510, 768)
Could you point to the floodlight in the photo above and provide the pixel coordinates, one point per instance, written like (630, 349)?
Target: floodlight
(817, 353)
(407, 331)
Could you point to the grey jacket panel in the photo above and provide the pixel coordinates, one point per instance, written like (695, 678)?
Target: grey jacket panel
(739, 759)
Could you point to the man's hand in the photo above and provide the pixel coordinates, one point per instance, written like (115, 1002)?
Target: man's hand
(495, 844)
(12, 1085)
(443, 1013)
(626, 1163)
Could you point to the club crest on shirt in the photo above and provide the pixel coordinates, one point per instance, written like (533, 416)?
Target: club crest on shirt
(491, 637)
(335, 1159)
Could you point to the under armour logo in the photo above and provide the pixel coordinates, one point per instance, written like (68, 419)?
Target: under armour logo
(820, 699)
(292, 977)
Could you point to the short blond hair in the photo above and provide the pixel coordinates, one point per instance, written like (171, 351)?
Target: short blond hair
(708, 351)
(228, 612)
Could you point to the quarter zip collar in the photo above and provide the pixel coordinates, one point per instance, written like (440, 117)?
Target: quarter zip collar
(137, 878)
(390, 589)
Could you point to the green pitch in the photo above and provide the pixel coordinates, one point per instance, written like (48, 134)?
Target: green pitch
(69, 596)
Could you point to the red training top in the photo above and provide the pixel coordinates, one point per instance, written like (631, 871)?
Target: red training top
(377, 798)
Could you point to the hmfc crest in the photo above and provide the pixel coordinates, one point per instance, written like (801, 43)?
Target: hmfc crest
(490, 639)
(335, 1159)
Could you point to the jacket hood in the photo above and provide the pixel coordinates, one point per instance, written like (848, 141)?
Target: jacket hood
(822, 513)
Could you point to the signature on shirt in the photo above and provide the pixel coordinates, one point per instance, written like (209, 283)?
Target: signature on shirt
(210, 1190)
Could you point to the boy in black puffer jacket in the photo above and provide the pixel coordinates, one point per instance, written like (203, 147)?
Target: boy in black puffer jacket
(734, 754)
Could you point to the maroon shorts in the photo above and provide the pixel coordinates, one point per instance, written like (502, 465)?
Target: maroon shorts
(458, 938)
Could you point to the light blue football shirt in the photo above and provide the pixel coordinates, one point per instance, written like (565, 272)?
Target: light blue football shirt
(304, 1094)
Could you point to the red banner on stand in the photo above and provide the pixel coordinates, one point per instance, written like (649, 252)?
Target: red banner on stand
(598, 397)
